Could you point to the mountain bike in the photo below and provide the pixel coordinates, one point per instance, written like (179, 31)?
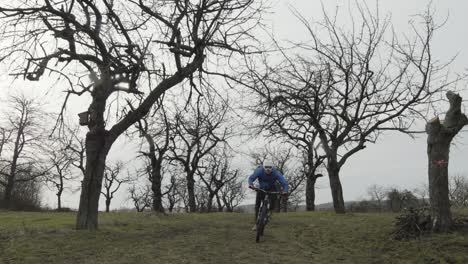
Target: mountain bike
(264, 213)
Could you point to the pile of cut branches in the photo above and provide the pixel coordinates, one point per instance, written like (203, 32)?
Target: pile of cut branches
(412, 223)
(460, 222)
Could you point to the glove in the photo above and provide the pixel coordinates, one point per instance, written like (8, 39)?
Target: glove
(285, 194)
(252, 187)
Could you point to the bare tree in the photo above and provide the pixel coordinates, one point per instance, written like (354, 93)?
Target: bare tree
(377, 193)
(399, 199)
(182, 192)
(61, 172)
(65, 152)
(74, 147)
(172, 196)
(27, 194)
(23, 162)
(120, 46)
(217, 172)
(422, 192)
(458, 190)
(440, 135)
(196, 133)
(5, 137)
(296, 177)
(258, 156)
(141, 197)
(156, 129)
(278, 155)
(350, 88)
(232, 194)
(201, 198)
(112, 181)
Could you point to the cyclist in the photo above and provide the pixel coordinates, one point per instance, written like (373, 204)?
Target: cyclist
(267, 175)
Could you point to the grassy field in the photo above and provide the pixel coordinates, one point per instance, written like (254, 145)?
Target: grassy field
(308, 237)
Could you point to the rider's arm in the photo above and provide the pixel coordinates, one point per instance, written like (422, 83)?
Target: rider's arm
(254, 176)
(283, 181)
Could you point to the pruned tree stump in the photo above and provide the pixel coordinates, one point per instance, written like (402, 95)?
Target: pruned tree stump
(440, 135)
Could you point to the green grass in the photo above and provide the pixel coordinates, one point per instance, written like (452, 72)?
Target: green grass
(308, 237)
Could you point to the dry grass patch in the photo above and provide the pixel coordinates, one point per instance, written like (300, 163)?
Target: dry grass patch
(309, 237)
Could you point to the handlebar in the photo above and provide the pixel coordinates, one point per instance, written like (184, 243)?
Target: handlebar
(269, 192)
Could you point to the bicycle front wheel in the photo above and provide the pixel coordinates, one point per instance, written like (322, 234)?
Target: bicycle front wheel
(261, 222)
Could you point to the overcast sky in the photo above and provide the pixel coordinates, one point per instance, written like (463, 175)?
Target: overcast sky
(396, 160)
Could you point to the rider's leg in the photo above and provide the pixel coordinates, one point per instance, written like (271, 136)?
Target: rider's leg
(258, 201)
(272, 202)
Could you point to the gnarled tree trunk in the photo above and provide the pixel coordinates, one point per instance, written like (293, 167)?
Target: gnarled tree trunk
(96, 153)
(209, 206)
(440, 136)
(192, 204)
(19, 143)
(156, 176)
(310, 192)
(98, 144)
(220, 204)
(336, 189)
(313, 162)
(108, 202)
(156, 188)
(59, 198)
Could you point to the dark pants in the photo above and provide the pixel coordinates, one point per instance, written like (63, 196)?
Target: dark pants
(258, 202)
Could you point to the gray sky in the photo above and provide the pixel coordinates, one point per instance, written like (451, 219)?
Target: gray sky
(396, 160)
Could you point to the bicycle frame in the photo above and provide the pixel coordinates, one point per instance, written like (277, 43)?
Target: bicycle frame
(266, 199)
(263, 213)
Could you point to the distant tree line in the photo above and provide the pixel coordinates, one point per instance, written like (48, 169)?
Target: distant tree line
(394, 199)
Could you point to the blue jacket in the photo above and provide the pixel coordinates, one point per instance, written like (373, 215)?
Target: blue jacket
(267, 181)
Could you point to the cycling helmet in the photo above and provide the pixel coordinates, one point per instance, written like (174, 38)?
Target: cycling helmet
(268, 164)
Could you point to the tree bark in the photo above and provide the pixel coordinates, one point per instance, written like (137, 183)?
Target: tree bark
(310, 192)
(9, 191)
(156, 176)
(439, 138)
(220, 205)
(192, 205)
(14, 163)
(336, 189)
(108, 202)
(59, 199)
(96, 154)
(229, 208)
(156, 188)
(209, 206)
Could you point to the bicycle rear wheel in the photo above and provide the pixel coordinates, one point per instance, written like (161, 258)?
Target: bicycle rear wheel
(261, 222)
